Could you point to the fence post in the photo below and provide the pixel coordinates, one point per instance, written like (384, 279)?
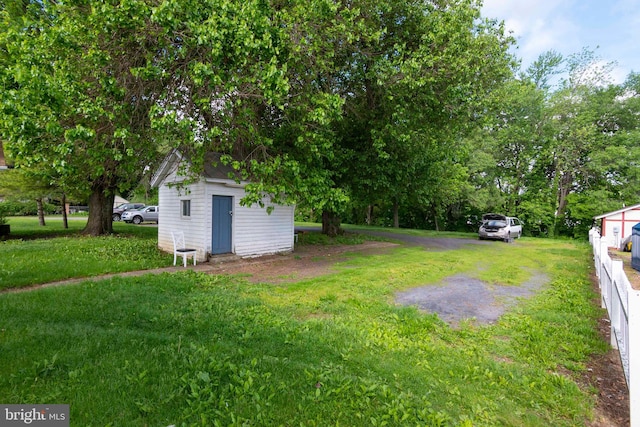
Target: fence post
(615, 303)
(633, 351)
(602, 268)
(607, 278)
(597, 256)
(604, 247)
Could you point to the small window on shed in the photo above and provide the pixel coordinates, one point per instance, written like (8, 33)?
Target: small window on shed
(186, 208)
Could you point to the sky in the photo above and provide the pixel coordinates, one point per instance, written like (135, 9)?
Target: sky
(610, 28)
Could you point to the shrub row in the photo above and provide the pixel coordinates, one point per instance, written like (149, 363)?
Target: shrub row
(26, 208)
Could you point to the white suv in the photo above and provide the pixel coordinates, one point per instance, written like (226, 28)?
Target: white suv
(499, 227)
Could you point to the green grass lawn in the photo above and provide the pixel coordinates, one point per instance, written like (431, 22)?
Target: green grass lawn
(196, 349)
(35, 255)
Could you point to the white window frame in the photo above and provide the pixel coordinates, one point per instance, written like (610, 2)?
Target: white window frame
(185, 204)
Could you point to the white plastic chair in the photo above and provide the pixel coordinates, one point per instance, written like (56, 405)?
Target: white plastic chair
(180, 249)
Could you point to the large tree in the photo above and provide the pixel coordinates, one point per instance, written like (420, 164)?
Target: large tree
(247, 81)
(579, 125)
(608, 179)
(73, 98)
(409, 97)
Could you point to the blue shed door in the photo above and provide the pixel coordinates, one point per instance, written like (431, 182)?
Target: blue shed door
(221, 230)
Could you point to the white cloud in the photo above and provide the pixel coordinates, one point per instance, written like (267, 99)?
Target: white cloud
(612, 29)
(537, 26)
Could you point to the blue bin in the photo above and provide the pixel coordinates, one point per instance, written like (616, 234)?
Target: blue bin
(635, 247)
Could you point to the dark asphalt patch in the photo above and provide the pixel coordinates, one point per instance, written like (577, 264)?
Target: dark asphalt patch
(461, 297)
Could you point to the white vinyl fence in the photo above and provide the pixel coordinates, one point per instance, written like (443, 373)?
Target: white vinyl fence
(623, 305)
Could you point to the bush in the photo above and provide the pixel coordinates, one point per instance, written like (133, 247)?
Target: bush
(25, 208)
(3, 215)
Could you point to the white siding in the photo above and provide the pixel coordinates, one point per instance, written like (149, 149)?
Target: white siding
(623, 221)
(170, 217)
(258, 233)
(254, 231)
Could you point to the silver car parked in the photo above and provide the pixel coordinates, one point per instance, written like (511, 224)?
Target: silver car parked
(123, 207)
(499, 227)
(138, 216)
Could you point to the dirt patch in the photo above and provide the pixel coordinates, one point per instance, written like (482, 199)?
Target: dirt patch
(305, 262)
(604, 373)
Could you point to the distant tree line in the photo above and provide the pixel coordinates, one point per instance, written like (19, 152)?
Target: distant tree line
(555, 155)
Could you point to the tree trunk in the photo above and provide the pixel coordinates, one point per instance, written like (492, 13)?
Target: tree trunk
(100, 213)
(40, 211)
(564, 188)
(563, 192)
(396, 215)
(65, 220)
(369, 218)
(330, 224)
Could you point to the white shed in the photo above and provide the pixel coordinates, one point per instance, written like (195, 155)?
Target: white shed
(210, 215)
(118, 200)
(618, 224)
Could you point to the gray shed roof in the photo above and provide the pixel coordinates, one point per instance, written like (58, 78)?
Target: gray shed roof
(213, 168)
